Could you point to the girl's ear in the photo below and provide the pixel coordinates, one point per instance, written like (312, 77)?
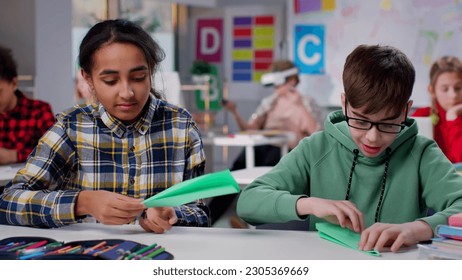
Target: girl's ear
(431, 90)
(88, 80)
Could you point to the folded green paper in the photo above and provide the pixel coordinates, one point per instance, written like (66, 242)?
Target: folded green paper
(209, 185)
(342, 236)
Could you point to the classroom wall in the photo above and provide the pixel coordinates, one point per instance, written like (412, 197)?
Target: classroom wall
(247, 95)
(16, 20)
(39, 32)
(424, 30)
(54, 82)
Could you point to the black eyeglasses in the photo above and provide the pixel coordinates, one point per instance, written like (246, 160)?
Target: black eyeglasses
(366, 125)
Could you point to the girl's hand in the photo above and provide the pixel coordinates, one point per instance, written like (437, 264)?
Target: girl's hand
(454, 112)
(108, 207)
(159, 219)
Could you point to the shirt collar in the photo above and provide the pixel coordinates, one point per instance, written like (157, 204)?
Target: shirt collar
(19, 108)
(119, 128)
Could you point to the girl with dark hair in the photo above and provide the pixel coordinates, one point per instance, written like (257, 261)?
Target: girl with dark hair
(99, 161)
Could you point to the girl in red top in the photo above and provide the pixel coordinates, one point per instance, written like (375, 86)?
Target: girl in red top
(446, 111)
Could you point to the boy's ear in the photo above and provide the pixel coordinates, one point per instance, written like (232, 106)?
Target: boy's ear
(14, 82)
(409, 105)
(343, 102)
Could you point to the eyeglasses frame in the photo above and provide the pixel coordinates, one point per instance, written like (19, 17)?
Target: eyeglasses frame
(376, 124)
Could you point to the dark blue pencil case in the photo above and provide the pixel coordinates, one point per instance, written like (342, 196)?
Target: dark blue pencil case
(5, 255)
(113, 249)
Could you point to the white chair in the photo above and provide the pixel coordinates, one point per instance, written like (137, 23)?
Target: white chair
(425, 126)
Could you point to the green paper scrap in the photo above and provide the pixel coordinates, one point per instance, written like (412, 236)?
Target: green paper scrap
(209, 185)
(342, 236)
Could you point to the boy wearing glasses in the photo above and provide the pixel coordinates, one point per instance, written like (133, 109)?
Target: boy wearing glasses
(368, 170)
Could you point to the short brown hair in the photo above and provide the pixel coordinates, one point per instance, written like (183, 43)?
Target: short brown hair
(378, 77)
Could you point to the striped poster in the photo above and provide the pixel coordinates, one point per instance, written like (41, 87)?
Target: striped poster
(253, 47)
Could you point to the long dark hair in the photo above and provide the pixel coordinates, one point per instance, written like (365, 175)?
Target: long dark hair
(120, 31)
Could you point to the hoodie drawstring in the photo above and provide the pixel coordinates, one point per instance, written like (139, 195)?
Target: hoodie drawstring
(356, 152)
(384, 180)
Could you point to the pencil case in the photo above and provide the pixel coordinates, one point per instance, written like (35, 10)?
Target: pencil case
(103, 249)
(18, 243)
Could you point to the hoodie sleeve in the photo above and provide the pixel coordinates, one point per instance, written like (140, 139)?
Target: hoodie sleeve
(441, 186)
(272, 197)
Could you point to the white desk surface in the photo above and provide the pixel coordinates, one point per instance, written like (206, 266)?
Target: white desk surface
(214, 243)
(7, 172)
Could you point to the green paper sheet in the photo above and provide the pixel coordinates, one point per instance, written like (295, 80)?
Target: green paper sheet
(342, 236)
(209, 185)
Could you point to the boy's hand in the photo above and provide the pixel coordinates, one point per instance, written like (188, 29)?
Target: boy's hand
(8, 156)
(229, 105)
(343, 213)
(108, 207)
(381, 235)
(159, 219)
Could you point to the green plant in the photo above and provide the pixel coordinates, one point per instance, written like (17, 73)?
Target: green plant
(200, 67)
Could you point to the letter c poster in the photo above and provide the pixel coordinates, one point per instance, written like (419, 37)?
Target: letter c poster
(309, 49)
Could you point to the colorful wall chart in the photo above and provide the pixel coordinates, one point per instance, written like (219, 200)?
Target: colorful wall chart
(253, 47)
(307, 6)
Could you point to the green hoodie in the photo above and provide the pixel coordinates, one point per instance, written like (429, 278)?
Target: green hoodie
(419, 177)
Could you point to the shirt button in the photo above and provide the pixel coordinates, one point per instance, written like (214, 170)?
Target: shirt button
(132, 148)
(132, 181)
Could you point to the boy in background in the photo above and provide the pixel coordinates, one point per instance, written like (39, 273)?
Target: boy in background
(22, 120)
(368, 170)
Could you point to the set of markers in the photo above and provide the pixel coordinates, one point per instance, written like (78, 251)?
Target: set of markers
(145, 253)
(25, 248)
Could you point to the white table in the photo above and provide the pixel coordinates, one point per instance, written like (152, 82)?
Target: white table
(249, 141)
(246, 176)
(214, 243)
(7, 172)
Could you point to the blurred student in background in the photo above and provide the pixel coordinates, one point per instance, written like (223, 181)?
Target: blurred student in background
(286, 110)
(22, 120)
(445, 89)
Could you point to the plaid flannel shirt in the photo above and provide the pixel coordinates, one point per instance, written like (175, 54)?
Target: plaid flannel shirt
(22, 128)
(88, 149)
